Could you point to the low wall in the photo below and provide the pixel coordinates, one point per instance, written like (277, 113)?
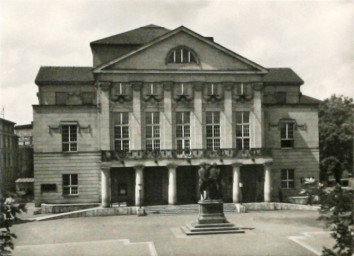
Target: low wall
(278, 206)
(61, 208)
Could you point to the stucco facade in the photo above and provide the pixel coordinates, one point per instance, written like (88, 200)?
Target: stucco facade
(155, 105)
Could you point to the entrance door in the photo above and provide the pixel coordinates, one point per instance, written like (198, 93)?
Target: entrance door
(252, 179)
(154, 185)
(186, 185)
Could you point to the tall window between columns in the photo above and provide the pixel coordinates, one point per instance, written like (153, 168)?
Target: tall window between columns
(243, 129)
(152, 121)
(183, 132)
(213, 130)
(121, 132)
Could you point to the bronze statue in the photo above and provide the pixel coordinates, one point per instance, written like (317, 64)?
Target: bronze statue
(209, 181)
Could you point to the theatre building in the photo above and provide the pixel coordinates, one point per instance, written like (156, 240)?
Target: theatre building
(156, 104)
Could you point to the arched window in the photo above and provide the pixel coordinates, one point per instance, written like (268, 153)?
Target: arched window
(182, 55)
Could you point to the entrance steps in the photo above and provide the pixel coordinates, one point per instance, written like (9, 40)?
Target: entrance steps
(182, 209)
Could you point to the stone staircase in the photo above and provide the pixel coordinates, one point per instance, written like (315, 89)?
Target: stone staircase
(182, 209)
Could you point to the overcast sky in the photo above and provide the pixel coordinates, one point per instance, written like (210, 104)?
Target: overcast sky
(314, 38)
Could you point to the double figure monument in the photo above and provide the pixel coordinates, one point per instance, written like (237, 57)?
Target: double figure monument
(211, 219)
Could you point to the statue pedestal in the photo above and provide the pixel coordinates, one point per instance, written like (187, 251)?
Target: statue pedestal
(211, 220)
(211, 211)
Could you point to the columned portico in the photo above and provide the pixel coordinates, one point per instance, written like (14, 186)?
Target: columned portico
(267, 183)
(172, 184)
(236, 183)
(105, 187)
(139, 185)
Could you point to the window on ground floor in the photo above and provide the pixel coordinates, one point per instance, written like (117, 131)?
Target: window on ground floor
(288, 178)
(70, 184)
(45, 188)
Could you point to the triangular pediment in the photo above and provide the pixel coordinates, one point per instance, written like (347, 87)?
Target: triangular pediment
(153, 56)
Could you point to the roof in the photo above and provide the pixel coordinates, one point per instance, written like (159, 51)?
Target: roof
(62, 75)
(6, 121)
(138, 36)
(164, 36)
(24, 180)
(24, 126)
(309, 100)
(282, 76)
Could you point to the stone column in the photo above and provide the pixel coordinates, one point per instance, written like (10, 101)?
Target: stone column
(197, 118)
(135, 118)
(103, 117)
(267, 183)
(106, 187)
(226, 118)
(139, 186)
(257, 116)
(172, 184)
(166, 118)
(236, 183)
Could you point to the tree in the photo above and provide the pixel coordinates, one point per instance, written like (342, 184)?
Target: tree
(336, 136)
(337, 210)
(8, 217)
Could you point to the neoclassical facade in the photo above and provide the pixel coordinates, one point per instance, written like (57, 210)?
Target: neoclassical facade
(156, 104)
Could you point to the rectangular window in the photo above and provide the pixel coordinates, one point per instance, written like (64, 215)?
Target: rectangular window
(121, 132)
(213, 130)
(48, 188)
(243, 130)
(183, 132)
(88, 98)
(287, 178)
(152, 121)
(60, 98)
(69, 138)
(70, 184)
(287, 135)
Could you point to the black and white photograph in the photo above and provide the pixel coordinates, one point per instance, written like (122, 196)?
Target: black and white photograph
(176, 128)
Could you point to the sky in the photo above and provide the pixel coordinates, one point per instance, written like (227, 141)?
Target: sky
(314, 38)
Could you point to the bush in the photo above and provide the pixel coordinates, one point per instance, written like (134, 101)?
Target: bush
(9, 209)
(337, 210)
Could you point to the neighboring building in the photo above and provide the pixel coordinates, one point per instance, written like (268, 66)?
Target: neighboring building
(24, 133)
(8, 155)
(156, 104)
(25, 158)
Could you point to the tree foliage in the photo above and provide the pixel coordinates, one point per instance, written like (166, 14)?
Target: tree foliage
(337, 210)
(336, 136)
(8, 217)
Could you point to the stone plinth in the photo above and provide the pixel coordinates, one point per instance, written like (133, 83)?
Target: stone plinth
(211, 220)
(211, 211)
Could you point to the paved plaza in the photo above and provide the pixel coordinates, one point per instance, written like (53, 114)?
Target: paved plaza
(267, 233)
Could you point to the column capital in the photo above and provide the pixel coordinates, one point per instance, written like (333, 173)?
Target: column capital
(136, 85)
(198, 86)
(235, 165)
(138, 167)
(268, 165)
(171, 166)
(257, 86)
(105, 167)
